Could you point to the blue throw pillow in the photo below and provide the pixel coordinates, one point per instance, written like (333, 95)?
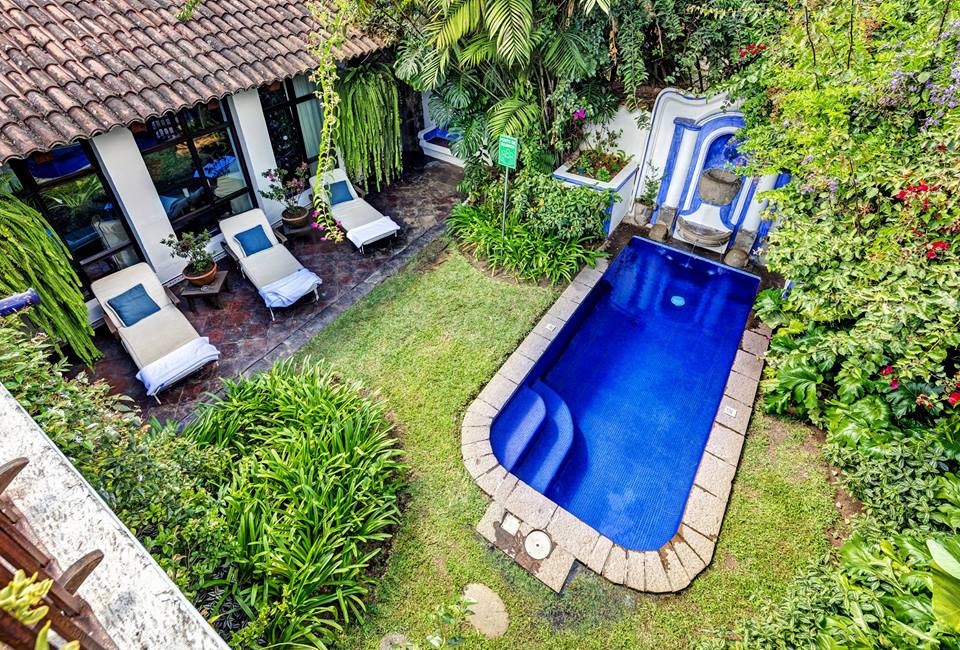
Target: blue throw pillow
(133, 305)
(253, 240)
(340, 192)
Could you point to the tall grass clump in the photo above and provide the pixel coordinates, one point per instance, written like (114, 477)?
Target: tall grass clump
(548, 233)
(312, 498)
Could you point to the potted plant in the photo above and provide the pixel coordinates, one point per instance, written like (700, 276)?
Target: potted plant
(647, 198)
(201, 268)
(286, 188)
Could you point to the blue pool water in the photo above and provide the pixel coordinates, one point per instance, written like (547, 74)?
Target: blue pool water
(612, 420)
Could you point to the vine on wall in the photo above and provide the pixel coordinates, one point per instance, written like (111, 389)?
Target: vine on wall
(333, 18)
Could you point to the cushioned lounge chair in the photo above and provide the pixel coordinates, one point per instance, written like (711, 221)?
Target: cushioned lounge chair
(362, 222)
(262, 258)
(156, 335)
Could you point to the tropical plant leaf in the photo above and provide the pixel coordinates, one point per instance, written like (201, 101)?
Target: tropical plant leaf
(510, 23)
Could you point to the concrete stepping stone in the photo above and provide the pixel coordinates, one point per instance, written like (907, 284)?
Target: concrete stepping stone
(488, 615)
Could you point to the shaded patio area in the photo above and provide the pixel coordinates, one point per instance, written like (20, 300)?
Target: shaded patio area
(242, 329)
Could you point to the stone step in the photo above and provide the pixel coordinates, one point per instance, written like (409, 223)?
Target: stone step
(553, 442)
(516, 426)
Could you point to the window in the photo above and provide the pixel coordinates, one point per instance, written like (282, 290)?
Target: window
(193, 161)
(67, 186)
(294, 118)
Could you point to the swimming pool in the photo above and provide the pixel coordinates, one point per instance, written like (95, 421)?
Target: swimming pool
(612, 420)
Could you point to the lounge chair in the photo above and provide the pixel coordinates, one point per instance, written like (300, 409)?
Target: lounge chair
(363, 224)
(156, 335)
(262, 258)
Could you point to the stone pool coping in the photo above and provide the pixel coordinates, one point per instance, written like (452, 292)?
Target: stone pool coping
(517, 509)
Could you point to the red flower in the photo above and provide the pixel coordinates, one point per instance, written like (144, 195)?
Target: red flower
(894, 384)
(939, 245)
(953, 398)
(941, 147)
(931, 254)
(886, 370)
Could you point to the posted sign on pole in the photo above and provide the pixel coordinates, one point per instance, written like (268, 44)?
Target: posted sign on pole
(507, 154)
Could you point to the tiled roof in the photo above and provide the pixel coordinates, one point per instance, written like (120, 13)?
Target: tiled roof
(71, 69)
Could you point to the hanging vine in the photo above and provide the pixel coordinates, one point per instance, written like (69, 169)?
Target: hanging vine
(32, 256)
(368, 128)
(333, 18)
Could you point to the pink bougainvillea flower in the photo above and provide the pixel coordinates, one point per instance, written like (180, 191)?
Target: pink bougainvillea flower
(894, 384)
(953, 398)
(886, 370)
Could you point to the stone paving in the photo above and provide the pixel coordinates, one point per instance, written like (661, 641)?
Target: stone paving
(516, 509)
(248, 340)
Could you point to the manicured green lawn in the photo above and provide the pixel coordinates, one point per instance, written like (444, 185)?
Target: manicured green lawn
(428, 340)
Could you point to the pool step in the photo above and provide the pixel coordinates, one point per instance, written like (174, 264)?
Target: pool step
(516, 426)
(547, 452)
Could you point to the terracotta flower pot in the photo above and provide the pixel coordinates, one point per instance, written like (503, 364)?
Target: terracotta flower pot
(203, 278)
(297, 217)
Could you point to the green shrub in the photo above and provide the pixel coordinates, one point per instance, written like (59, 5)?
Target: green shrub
(549, 233)
(884, 594)
(154, 480)
(312, 498)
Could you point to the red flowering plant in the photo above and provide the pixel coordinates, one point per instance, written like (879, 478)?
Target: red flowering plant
(752, 49)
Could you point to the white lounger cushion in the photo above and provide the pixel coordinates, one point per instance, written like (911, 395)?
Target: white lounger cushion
(177, 364)
(157, 335)
(268, 266)
(162, 341)
(363, 222)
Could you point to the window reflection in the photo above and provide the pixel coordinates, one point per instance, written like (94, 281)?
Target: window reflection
(192, 158)
(66, 187)
(294, 117)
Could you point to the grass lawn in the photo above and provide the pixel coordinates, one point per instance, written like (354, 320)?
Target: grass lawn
(428, 340)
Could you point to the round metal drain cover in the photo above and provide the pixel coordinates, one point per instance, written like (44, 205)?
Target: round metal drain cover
(678, 301)
(538, 545)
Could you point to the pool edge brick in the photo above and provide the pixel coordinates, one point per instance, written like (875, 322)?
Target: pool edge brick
(754, 343)
(516, 367)
(570, 532)
(748, 364)
(692, 563)
(615, 568)
(726, 444)
(554, 570)
(715, 476)
(703, 546)
(529, 505)
(635, 571)
(599, 554)
(676, 574)
(704, 512)
(655, 575)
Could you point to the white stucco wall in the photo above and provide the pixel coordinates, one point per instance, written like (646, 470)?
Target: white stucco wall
(135, 601)
(257, 152)
(127, 175)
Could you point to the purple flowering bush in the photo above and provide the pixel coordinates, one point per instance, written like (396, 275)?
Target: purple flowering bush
(286, 187)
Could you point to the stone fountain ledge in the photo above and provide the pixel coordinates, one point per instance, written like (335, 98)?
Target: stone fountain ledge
(517, 509)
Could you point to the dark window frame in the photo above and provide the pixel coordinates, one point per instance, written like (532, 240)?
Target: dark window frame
(291, 105)
(33, 193)
(187, 137)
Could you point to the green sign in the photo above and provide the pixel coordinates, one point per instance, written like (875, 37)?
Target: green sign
(507, 154)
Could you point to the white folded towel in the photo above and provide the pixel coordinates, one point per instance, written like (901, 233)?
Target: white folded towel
(286, 291)
(179, 363)
(373, 231)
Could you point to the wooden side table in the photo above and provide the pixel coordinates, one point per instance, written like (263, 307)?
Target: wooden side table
(209, 292)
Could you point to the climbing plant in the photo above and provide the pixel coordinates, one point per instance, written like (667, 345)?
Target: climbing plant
(31, 255)
(333, 18)
(368, 126)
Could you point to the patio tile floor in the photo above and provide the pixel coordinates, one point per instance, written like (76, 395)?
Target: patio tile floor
(242, 329)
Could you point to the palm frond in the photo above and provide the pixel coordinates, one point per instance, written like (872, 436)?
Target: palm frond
(510, 23)
(564, 58)
(512, 116)
(460, 20)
